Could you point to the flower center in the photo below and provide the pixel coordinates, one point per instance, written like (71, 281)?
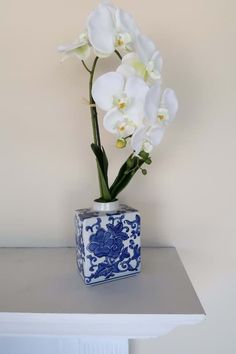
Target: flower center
(163, 115)
(119, 42)
(123, 39)
(125, 129)
(121, 103)
(121, 128)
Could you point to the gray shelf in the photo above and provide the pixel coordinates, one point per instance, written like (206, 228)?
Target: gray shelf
(42, 285)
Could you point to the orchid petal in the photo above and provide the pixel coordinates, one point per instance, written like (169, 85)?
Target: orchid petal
(152, 103)
(169, 101)
(136, 88)
(130, 58)
(112, 119)
(155, 134)
(126, 70)
(105, 88)
(82, 52)
(138, 138)
(134, 112)
(145, 48)
(158, 61)
(101, 30)
(79, 48)
(109, 5)
(125, 22)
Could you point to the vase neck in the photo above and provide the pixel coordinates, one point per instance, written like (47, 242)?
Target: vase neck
(107, 206)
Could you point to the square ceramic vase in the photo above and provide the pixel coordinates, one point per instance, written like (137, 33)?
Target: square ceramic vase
(107, 244)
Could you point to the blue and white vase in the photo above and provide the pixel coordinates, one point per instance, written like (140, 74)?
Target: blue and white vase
(108, 243)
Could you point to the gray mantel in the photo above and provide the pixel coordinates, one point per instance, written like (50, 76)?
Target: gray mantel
(42, 294)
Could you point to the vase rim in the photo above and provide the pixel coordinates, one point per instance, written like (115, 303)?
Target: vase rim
(106, 206)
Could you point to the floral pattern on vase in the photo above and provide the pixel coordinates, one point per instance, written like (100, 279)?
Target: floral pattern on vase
(107, 244)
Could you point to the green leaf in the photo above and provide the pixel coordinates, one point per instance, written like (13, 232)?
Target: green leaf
(105, 164)
(126, 173)
(102, 163)
(125, 167)
(102, 160)
(106, 195)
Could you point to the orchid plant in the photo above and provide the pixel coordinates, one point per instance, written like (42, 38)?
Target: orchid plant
(136, 111)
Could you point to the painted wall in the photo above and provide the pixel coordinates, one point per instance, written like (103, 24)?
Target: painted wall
(188, 197)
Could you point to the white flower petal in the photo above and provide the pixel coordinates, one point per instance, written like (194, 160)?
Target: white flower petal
(105, 88)
(155, 134)
(67, 47)
(80, 48)
(152, 103)
(82, 52)
(169, 101)
(126, 70)
(158, 62)
(108, 4)
(126, 23)
(134, 113)
(101, 30)
(137, 139)
(112, 119)
(145, 48)
(130, 59)
(99, 54)
(132, 64)
(136, 88)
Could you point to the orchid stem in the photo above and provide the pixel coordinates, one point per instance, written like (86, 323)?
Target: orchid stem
(85, 66)
(93, 109)
(94, 118)
(118, 54)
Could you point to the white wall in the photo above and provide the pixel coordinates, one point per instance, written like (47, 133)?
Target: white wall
(188, 197)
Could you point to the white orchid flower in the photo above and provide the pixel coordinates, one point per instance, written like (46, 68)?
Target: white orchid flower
(145, 61)
(160, 109)
(110, 28)
(80, 48)
(146, 138)
(123, 100)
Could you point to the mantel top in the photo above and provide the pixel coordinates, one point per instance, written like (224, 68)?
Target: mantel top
(46, 281)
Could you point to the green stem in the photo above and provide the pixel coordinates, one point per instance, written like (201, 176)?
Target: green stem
(85, 66)
(95, 126)
(93, 109)
(103, 184)
(118, 54)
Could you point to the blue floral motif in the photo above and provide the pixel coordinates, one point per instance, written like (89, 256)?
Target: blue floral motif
(135, 225)
(103, 243)
(80, 251)
(110, 245)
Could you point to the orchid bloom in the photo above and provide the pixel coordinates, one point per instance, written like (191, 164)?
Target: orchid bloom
(110, 28)
(146, 138)
(159, 112)
(160, 109)
(123, 100)
(145, 61)
(80, 48)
